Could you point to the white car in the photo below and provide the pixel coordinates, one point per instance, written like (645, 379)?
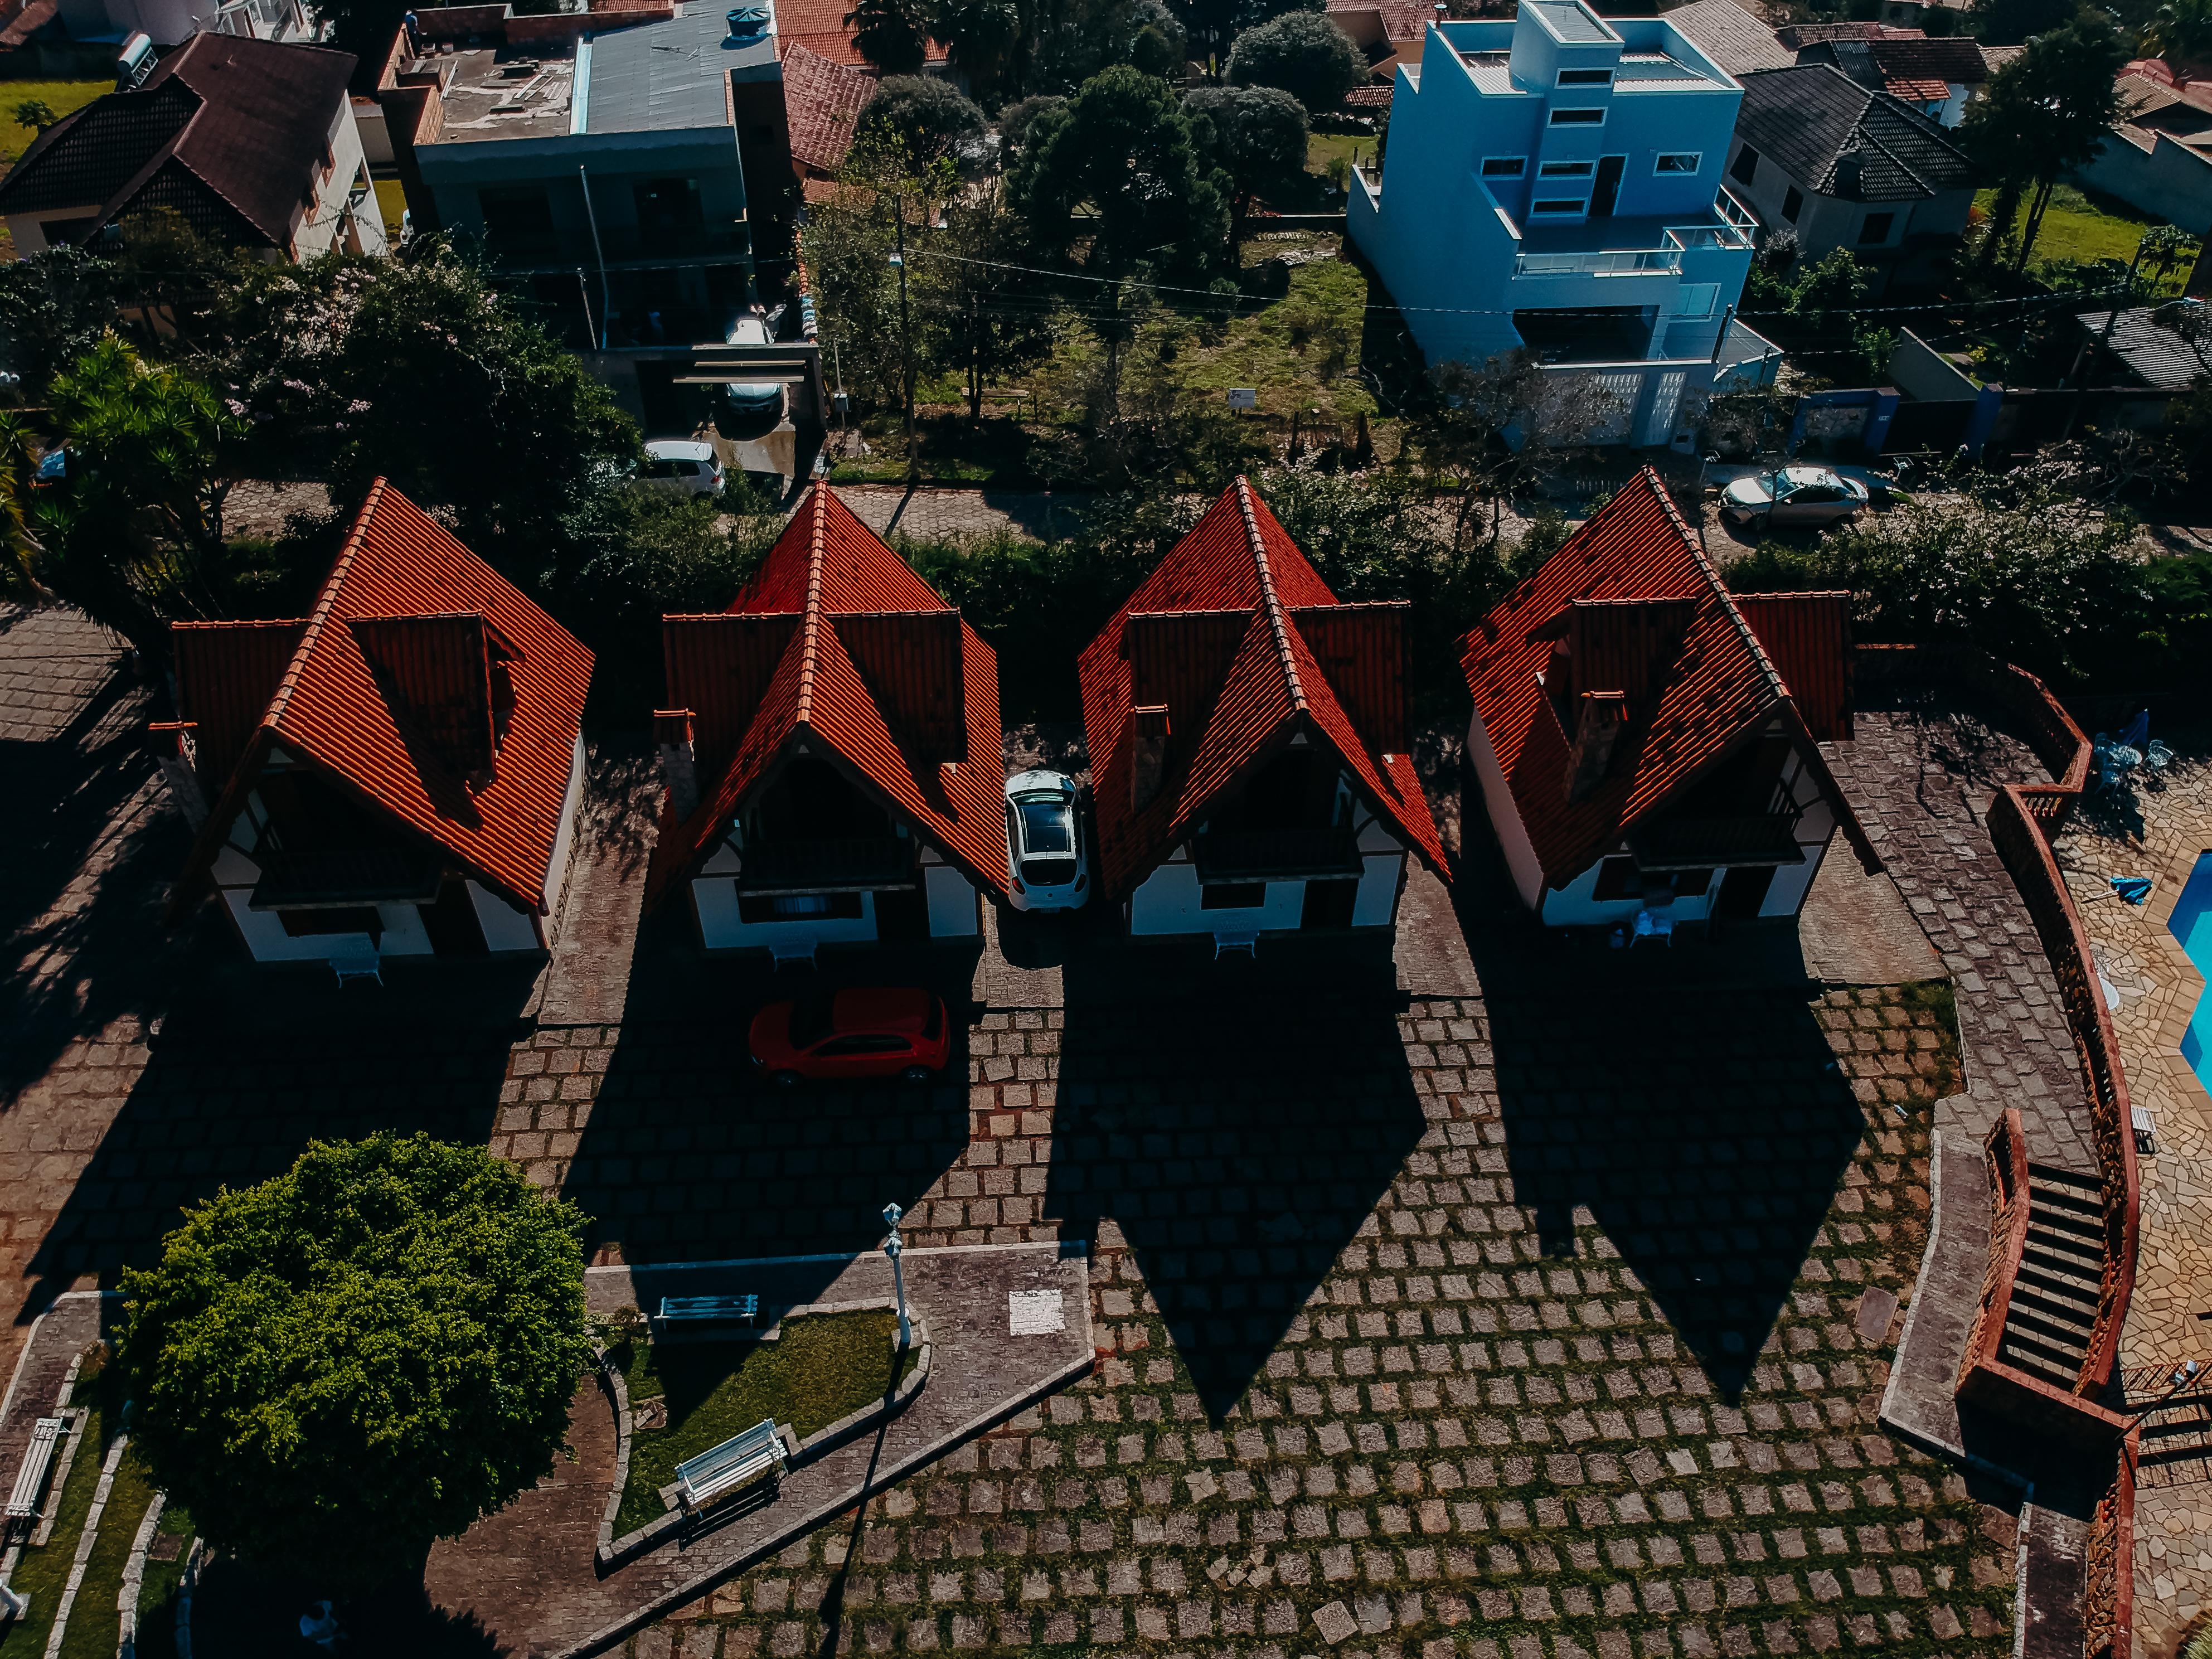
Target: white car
(1044, 842)
(743, 408)
(683, 465)
(1793, 496)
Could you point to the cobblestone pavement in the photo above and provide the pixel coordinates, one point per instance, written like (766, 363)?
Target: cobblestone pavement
(1921, 772)
(2160, 834)
(928, 512)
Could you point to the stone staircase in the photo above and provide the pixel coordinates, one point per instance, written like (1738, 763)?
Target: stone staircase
(2054, 1299)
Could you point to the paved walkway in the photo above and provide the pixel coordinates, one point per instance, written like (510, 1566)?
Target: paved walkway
(526, 1576)
(1921, 775)
(928, 513)
(2160, 835)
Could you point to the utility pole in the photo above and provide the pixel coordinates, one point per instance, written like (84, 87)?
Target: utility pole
(974, 361)
(906, 341)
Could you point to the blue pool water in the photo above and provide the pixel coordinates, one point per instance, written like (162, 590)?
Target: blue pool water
(2192, 926)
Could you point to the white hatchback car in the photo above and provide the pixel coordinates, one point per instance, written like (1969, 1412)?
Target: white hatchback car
(1044, 842)
(1793, 496)
(683, 465)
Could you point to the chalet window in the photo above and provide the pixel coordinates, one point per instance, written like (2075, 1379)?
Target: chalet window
(1504, 167)
(1875, 227)
(1793, 203)
(1618, 878)
(1586, 78)
(1232, 896)
(1577, 118)
(1566, 170)
(356, 919)
(1684, 161)
(799, 907)
(1747, 163)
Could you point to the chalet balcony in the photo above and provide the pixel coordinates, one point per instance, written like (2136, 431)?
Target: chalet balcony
(341, 878)
(1704, 843)
(846, 864)
(1276, 854)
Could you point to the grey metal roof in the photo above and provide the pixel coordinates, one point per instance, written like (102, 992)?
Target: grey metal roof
(1730, 36)
(1571, 21)
(669, 75)
(1842, 140)
(2145, 338)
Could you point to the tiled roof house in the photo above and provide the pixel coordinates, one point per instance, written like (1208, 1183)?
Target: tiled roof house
(1249, 743)
(832, 751)
(403, 763)
(823, 100)
(1645, 740)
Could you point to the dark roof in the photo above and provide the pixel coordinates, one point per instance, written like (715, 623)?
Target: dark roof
(388, 686)
(1954, 58)
(1797, 36)
(1630, 605)
(836, 644)
(230, 131)
(1235, 648)
(1839, 139)
(2144, 337)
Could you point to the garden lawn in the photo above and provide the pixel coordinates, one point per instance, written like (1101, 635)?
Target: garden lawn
(43, 1573)
(61, 96)
(822, 1367)
(1323, 147)
(2078, 226)
(157, 1590)
(94, 1620)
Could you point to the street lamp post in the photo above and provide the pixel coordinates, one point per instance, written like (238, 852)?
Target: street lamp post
(894, 1247)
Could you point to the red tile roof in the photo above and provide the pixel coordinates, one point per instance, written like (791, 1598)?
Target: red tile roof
(1630, 605)
(835, 643)
(822, 99)
(414, 649)
(1246, 647)
(820, 27)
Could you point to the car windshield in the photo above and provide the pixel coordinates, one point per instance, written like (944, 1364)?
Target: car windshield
(810, 1020)
(1047, 824)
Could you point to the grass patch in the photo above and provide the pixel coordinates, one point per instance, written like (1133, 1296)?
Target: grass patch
(1324, 148)
(2081, 227)
(821, 1369)
(43, 1573)
(94, 1622)
(60, 96)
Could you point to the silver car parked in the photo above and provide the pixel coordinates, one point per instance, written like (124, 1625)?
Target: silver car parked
(1793, 496)
(1044, 842)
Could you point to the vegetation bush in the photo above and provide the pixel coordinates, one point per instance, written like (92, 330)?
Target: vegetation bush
(1307, 56)
(925, 115)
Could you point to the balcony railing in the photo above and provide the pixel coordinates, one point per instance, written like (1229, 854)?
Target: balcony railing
(348, 876)
(1695, 843)
(845, 864)
(1665, 259)
(1731, 208)
(1281, 854)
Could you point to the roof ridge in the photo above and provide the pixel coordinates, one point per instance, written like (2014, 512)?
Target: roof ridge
(1270, 601)
(326, 598)
(1867, 134)
(810, 625)
(1712, 575)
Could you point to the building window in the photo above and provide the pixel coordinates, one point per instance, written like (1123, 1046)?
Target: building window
(1747, 163)
(517, 221)
(1793, 203)
(1691, 883)
(1875, 227)
(1684, 161)
(1586, 78)
(1565, 170)
(799, 907)
(356, 919)
(1618, 878)
(1564, 204)
(1697, 299)
(1232, 896)
(1504, 167)
(1577, 118)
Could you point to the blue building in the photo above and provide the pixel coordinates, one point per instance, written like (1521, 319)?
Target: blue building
(1556, 183)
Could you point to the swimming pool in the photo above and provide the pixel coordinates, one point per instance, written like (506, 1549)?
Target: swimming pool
(2192, 925)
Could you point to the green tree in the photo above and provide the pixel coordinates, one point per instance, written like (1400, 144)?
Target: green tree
(1016, 119)
(1123, 150)
(337, 1367)
(1213, 24)
(35, 113)
(19, 545)
(892, 34)
(1307, 56)
(2010, 23)
(924, 114)
(981, 37)
(2044, 115)
(54, 307)
(2180, 31)
(1258, 136)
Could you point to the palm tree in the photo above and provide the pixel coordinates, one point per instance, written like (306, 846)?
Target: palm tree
(892, 34)
(19, 547)
(2180, 32)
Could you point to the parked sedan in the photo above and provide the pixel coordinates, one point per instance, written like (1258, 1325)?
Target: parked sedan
(836, 1035)
(682, 465)
(1044, 842)
(1802, 496)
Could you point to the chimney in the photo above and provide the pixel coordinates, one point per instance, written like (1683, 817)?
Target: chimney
(1599, 716)
(178, 761)
(1148, 755)
(679, 767)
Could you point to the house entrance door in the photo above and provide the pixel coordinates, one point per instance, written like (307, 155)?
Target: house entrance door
(452, 921)
(1329, 904)
(1608, 189)
(1743, 889)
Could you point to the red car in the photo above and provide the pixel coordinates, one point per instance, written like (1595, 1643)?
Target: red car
(852, 1034)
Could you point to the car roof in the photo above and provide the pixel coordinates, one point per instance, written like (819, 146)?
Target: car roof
(882, 1008)
(748, 331)
(1041, 779)
(679, 449)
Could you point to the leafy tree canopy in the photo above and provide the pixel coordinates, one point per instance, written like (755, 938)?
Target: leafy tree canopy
(1307, 56)
(1213, 24)
(1256, 135)
(892, 34)
(1122, 148)
(924, 114)
(338, 1366)
(981, 37)
(1016, 119)
(2179, 31)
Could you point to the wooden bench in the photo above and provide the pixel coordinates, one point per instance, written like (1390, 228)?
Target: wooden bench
(31, 1479)
(731, 1466)
(353, 956)
(710, 1309)
(1247, 942)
